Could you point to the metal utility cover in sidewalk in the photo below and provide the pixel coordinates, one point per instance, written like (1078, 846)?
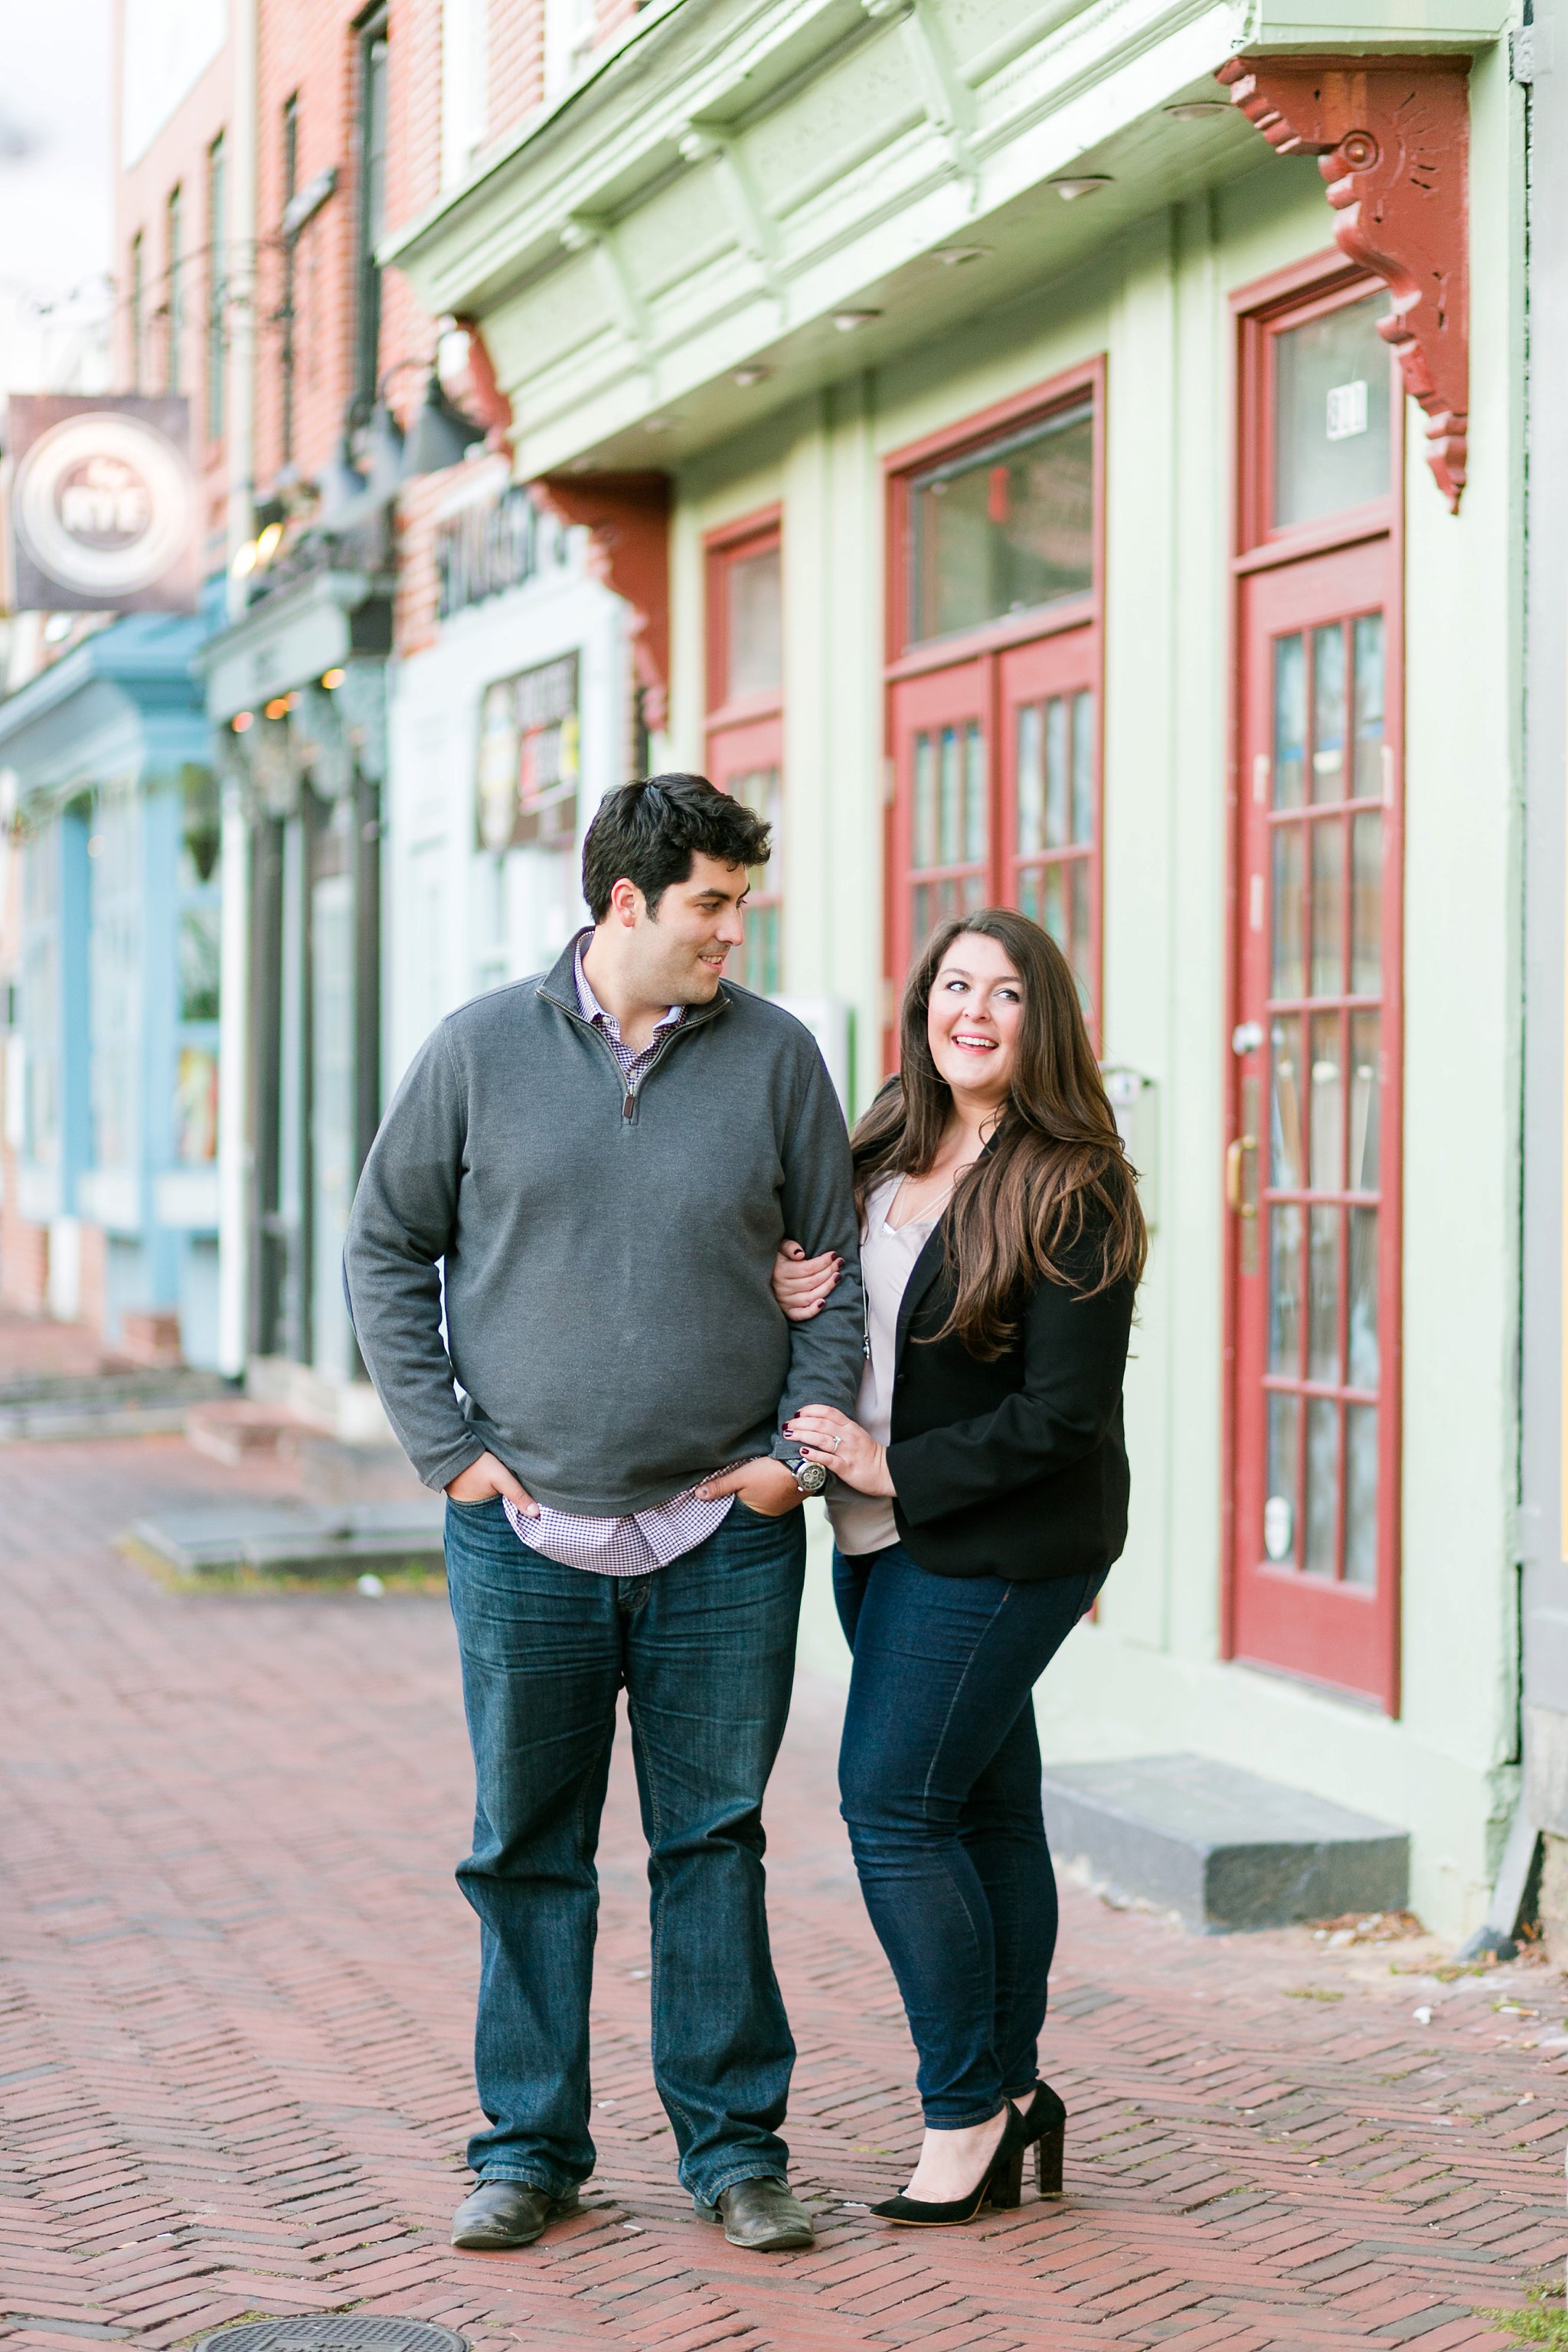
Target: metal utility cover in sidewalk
(1224, 1848)
(344, 2334)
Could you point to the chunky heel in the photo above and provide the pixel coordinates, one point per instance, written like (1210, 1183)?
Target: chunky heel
(1048, 2151)
(1007, 2183)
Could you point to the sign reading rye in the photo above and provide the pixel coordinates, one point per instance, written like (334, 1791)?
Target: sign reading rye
(528, 759)
(102, 504)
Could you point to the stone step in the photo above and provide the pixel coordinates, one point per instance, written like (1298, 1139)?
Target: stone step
(281, 1536)
(1221, 1847)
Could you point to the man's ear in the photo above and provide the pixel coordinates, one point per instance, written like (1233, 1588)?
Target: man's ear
(626, 903)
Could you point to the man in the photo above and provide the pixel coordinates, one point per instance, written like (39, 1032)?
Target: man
(604, 1162)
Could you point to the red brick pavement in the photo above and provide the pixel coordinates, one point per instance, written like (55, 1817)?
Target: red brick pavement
(235, 2006)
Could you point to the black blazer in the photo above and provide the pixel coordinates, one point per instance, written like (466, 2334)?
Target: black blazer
(1014, 1468)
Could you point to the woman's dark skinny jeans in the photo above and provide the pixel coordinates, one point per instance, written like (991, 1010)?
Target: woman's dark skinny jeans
(939, 1776)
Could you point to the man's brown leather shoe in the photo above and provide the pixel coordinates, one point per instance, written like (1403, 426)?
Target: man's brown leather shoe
(503, 2213)
(761, 2214)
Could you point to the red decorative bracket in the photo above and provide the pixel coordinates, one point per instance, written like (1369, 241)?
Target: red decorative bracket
(1392, 138)
(627, 518)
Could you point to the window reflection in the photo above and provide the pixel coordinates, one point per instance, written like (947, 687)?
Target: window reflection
(1004, 529)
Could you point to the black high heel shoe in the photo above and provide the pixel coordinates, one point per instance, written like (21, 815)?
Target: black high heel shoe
(1001, 2184)
(1044, 2123)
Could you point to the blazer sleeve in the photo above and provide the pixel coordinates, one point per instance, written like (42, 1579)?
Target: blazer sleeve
(1075, 1355)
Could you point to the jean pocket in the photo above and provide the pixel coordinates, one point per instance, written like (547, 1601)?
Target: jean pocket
(480, 1503)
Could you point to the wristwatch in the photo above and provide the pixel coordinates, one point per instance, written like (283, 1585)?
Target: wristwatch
(811, 1477)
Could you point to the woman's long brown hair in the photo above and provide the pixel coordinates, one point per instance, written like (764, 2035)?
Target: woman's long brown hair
(1054, 1196)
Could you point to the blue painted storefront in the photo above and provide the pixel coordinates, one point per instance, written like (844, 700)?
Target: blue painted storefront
(117, 810)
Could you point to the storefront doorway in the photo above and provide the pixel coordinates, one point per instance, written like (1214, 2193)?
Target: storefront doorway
(1312, 1164)
(993, 677)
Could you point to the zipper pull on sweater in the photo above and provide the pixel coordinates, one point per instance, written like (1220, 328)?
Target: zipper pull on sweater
(629, 1105)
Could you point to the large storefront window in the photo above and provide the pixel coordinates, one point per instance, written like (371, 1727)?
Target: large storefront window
(745, 717)
(1313, 1158)
(993, 678)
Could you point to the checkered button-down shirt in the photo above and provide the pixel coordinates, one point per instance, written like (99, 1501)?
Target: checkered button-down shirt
(643, 1540)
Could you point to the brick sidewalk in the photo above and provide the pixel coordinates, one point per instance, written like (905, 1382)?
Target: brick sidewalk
(235, 2007)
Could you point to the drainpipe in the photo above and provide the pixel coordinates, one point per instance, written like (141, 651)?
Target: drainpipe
(234, 1152)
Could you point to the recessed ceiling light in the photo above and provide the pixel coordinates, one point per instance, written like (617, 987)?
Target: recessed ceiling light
(747, 376)
(848, 320)
(1087, 184)
(952, 255)
(1193, 109)
(660, 424)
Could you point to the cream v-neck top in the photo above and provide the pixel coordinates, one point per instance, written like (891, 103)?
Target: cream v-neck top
(864, 1523)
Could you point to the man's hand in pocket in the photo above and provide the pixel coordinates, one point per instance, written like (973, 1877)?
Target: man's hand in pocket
(487, 1477)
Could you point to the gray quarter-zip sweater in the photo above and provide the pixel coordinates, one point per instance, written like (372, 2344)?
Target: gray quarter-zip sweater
(607, 1254)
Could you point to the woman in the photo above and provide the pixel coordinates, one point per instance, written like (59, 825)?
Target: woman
(980, 1499)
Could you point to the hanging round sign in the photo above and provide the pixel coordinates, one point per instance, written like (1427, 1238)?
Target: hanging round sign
(103, 502)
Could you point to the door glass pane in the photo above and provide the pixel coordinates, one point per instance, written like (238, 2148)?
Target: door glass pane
(1328, 908)
(1329, 713)
(1057, 777)
(1323, 1486)
(1284, 1478)
(1363, 1371)
(1328, 1112)
(1031, 780)
(1083, 767)
(1366, 903)
(762, 789)
(1289, 721)
(1285, 1291)
(1004, 529)
(1082, 944)
(1286, 1164)
(1363, 1177)
(1323, 1296)
(924, 811)
(1368, 783)
(1331, 412)
(1361, 1496)
(974, 826)
(1290, 970)
(1054, 902)
(756, 623)
(950, 800)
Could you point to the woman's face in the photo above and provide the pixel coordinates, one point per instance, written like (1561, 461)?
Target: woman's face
(974, 1016)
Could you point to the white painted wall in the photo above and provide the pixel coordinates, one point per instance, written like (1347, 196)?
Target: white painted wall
(442, 892)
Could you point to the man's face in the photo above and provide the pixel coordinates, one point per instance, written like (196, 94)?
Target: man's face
(679, 953)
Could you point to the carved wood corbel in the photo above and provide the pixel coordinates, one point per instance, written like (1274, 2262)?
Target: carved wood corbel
(626, 517)
(1392, 138)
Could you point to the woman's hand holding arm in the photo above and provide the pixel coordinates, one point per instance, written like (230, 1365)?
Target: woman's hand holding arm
(842, 1446)
(800, 1284)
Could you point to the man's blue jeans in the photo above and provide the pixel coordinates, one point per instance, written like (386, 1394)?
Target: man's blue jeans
(939, 1776)
(705, 1648)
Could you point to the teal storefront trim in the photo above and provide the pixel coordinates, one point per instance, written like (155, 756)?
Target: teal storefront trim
(110, 759)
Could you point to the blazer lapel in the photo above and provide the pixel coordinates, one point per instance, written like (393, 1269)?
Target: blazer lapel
(922, 1274)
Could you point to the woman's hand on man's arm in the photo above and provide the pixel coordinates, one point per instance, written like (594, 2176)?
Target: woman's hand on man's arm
(842, 1446)
(800, 1284)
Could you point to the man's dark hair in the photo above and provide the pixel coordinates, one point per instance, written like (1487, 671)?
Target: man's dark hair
(649, 833)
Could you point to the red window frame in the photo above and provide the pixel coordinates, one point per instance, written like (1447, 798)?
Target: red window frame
(1317, 1628)
(978, 679)
(745, 732)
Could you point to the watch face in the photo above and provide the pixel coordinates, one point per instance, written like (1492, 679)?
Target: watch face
(811, 1477)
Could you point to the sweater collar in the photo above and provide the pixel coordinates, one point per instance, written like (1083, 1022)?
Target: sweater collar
(559, 987)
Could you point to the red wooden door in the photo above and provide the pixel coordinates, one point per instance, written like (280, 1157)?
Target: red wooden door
(1051, 795)
(1312, 1172)
(943, 835)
